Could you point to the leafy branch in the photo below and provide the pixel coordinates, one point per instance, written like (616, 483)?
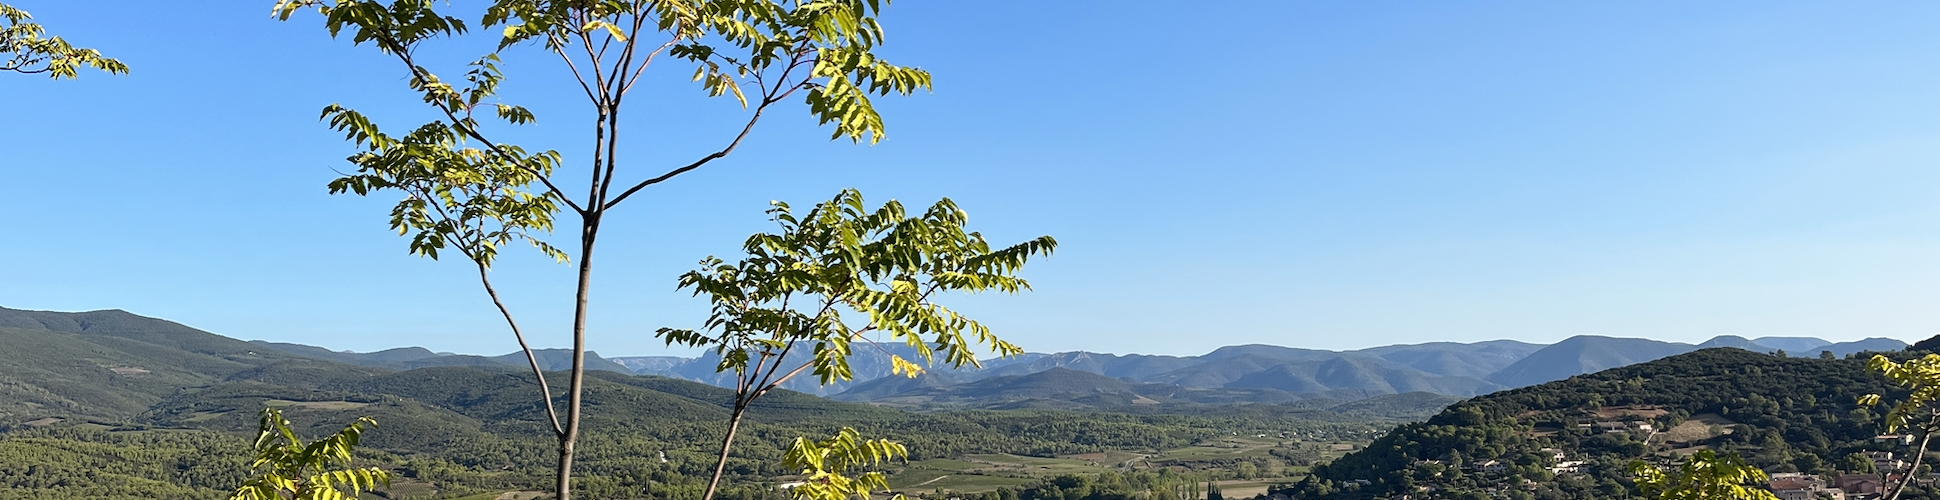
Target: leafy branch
(884, 265)
(288, 468)
(25, 48)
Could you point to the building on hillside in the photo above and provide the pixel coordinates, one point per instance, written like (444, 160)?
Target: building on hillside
(1796, 486)
(1492, 467)
(1884, 461)
(1555, 455)
(1567, 467)
(1901, 439)
(1862, 484)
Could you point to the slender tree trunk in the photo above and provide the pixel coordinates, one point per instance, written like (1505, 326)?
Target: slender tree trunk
(589, 231)
(1926, 436)
(727, 444)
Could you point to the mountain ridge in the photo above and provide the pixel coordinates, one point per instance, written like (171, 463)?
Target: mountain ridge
(1258, 373)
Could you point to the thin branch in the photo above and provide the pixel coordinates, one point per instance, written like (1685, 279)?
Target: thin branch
(599, 76)
(697, 164)
(552, 415)
(573, 67)
(422, 76)
(648, 62)
(465, 246)
(764, 382)
(783, 379)
(621, 63)
(765, 102)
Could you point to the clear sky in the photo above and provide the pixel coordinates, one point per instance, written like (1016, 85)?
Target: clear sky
(1311, 174)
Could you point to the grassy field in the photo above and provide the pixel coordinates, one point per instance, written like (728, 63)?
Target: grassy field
(1232, 447)
(1251, 488)
(980, 473)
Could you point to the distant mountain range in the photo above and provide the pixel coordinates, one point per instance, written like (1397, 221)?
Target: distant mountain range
(1262, 373)
(121, 370)
(1068, 380)
(1233, 374)
(409, 358)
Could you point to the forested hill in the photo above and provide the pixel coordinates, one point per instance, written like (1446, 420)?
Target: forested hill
(81, 393)
(1782, 414)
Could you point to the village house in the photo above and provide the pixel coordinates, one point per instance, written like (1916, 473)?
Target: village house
(1862, 484)
(1885, 462)
(1902, 439)
(1796, 486)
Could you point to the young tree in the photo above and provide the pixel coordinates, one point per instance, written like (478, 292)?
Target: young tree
(26, 48)
(1705, 475)
(889, 267)
(1920, 411)
(464, 190)
(287, 468)
(824, 466)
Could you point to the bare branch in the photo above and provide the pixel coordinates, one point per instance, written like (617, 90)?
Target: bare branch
(590, 95)
(696, 164)
(552, 415)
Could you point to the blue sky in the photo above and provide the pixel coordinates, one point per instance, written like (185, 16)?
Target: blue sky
(1312, 174)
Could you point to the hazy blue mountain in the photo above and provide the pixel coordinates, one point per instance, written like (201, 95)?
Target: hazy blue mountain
(651, 365)
(866, 363)
(1793, 344)
(1446, 368)
(1454, 359)
(1874, 344)
(409, 358)
(1737, 342)
(560, 360)
(1369, 376)
(1218, 373)
(1131, 367)
(1262, 351)
(1584, 354)
(388, 356)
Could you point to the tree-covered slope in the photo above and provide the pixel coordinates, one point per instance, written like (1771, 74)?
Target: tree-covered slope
(107, 364)
(1783, 413)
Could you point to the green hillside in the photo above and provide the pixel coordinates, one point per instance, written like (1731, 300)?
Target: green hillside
(116, 406)
(1783, 414)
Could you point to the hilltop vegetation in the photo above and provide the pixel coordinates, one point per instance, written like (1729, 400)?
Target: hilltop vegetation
(111, 384)
(1783, 414)
(114, 385)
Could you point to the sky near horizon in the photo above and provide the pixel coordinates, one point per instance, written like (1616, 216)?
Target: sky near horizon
(1331, 175)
